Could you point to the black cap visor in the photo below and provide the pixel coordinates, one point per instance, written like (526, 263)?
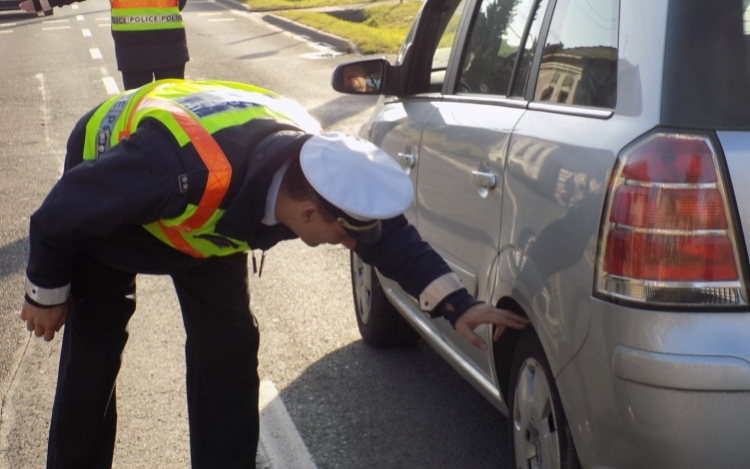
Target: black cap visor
(368, 232)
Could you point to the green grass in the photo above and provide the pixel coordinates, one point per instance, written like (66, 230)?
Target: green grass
(376, 30)
(270, 5)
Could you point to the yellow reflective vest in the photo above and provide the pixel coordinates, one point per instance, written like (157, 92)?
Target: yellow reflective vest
(192, 112)
(145, 15)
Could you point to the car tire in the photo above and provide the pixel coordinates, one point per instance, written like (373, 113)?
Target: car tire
(539, 434)
(380, 324)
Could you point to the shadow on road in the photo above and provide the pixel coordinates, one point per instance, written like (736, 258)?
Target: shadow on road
(394, 408)
(13, 257)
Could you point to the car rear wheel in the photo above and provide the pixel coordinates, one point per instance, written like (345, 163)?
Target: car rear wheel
(379, 322)
(538, 429)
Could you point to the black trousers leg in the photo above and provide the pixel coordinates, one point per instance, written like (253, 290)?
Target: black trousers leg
(178, 71)
(222, 363)
(84, 415)
(132, 80)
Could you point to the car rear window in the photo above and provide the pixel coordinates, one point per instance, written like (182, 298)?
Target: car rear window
(707, 65)
(579, 61)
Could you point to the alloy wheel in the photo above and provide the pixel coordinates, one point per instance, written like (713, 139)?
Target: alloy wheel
(535, 430)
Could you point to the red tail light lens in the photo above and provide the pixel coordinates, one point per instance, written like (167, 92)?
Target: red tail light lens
(668, 237)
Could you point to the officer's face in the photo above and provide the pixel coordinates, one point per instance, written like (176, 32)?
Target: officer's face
(316, 231)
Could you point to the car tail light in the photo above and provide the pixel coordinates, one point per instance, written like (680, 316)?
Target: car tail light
(668, 236)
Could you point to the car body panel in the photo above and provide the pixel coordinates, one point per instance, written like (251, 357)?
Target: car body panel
(459, 219)
(397, 128)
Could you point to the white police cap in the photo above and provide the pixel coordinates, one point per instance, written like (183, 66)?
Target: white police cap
(360, 182)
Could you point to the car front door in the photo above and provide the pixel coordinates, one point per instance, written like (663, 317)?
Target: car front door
(398, 125)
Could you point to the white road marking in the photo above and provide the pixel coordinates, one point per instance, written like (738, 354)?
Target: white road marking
(279, 440)
(80, 17)
(6, 31)
(104, 25)
(7, 25)
(46, 118)
(220, 19)
(54, 21)
(55, 27)
(103, 18)
(86, 32)
(110, 85)
(96, 54)
(211, 13)
(74, 6)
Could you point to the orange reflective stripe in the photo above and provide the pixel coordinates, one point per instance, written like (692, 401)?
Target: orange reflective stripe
(144, 4)
(219, 171)
(179, 242)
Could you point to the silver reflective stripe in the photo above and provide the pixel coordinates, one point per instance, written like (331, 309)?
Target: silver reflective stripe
(439, 289)
(47, 296)
(104, 134)
(146, 19)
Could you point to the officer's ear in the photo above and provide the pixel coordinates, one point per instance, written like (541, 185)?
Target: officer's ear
(308, 210)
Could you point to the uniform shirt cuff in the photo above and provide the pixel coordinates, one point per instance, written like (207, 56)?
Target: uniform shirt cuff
(47, 296)
(438, 290)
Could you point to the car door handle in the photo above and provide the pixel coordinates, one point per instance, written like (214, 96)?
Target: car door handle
(407, 159)
(484, 179)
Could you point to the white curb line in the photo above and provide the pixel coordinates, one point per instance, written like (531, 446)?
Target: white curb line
(280, 442)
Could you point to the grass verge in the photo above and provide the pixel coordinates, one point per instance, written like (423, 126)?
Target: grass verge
(376, 30)
(271, 5)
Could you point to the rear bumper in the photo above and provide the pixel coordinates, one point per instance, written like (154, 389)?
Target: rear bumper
(660, 390)
(684, 372)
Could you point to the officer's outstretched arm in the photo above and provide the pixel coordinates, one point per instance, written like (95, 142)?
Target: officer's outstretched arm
(483, 313)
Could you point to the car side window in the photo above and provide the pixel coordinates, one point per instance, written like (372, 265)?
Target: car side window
(579, 61)
(494, 44)
(451, 19)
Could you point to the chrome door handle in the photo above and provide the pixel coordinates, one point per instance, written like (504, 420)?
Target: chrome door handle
(407, 159)
(484, 179)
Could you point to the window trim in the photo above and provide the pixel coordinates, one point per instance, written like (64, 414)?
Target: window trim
(454, 61)
(537, 63)
(571, 109)
(489, 100)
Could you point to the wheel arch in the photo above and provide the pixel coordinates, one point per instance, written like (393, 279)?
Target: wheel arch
(503, 349)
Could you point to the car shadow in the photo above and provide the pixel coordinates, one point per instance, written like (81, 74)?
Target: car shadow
(404, 407)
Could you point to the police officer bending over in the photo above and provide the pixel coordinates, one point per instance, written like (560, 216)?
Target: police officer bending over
(183, 178)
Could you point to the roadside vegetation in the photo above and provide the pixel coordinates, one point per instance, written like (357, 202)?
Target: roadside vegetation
(378, 29)
(271, 5)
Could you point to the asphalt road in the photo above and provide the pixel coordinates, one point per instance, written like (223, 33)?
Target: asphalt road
(353, 406)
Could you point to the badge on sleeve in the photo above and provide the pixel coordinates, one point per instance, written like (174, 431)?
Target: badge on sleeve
(183, 181)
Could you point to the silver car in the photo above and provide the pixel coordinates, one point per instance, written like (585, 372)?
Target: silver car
(584, 163)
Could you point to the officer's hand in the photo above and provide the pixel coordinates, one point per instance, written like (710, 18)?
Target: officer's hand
(44, 321)
(483, 313)
(27, 5)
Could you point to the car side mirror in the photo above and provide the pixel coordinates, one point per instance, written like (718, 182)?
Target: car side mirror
(361, 77)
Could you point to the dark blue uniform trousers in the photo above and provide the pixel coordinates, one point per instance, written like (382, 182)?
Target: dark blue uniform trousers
(221, 353)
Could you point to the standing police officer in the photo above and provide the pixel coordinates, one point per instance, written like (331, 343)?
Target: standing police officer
(183, 178)
(149, 36)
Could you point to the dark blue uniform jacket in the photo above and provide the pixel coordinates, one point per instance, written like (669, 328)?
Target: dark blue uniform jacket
(98, 207)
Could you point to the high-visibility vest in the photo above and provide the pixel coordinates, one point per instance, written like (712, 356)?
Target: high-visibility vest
(145, 15)
(192, 112)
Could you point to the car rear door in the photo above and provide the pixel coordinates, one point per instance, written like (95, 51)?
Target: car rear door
(398, 124)
(464, 146)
